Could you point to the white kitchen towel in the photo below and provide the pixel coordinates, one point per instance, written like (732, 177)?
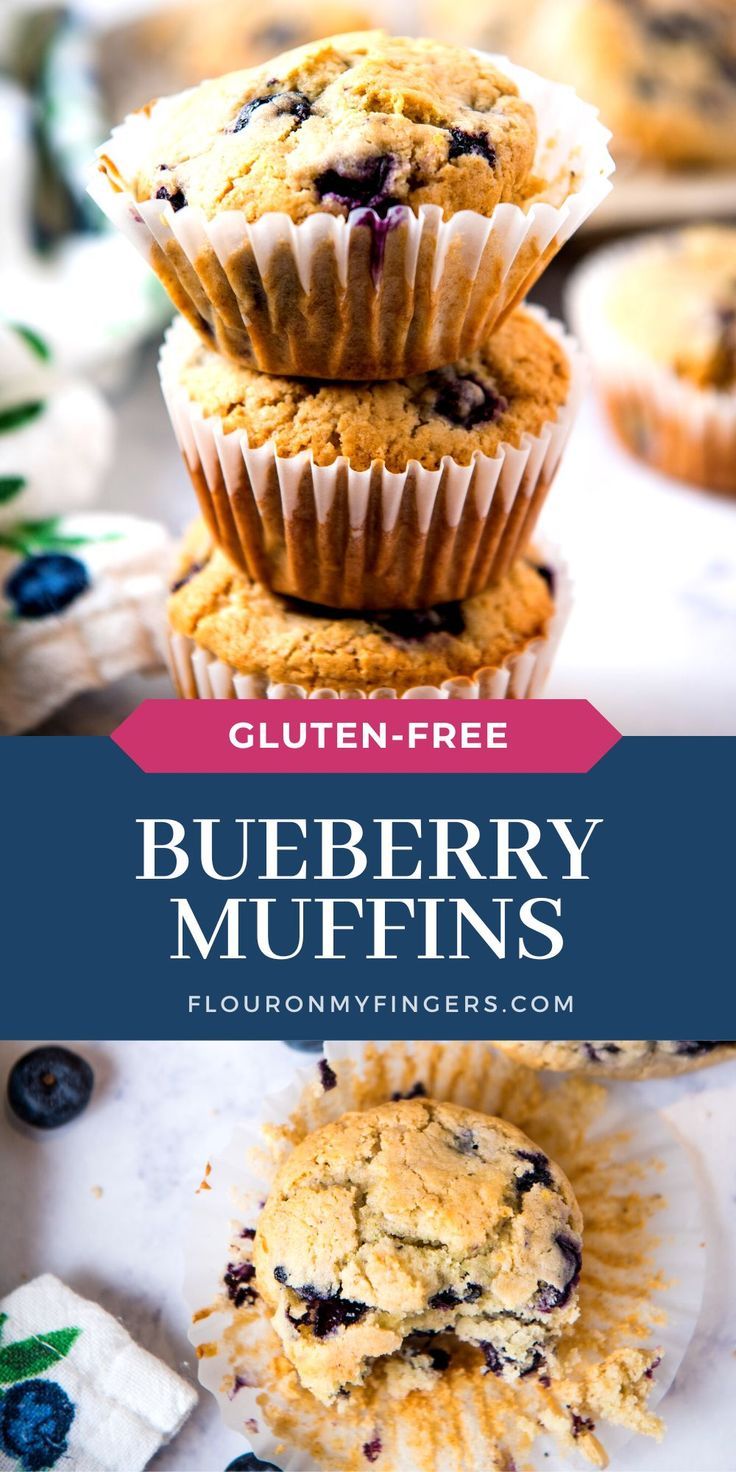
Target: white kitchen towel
(76, 1391)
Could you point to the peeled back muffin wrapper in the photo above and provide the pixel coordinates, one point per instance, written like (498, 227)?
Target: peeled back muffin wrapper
(374, 538)
(319, 299)
(198, 675)
(685, 431)
(644, 1303)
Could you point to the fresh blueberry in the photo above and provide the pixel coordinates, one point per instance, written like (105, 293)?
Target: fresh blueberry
(46, 583)
(538, 1173)
(49, 1087)
(251, 1463)
(462, 144)
(465, 400)
(35, 1418)
(310, 1046)
(365, 189)
(289, 104)
(176, 197)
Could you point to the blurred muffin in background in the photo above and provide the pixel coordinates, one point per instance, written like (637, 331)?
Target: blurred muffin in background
(490, 25)
(658, 317)
(662, 72)
(177, 46)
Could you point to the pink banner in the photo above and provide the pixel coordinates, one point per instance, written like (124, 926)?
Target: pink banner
(360, 736)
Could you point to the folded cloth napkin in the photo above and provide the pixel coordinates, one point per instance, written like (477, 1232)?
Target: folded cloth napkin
(75, 1390)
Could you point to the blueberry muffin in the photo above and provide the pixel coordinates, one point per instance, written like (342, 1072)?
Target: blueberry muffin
(357, 120)
(233, 637)
(335, 212)
(376, 495)
(392, 1231)
(662, 73)
(622, 1059)
(658, 317)
(176, 47)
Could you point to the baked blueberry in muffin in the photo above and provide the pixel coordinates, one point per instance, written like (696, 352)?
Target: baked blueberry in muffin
(413, 1222)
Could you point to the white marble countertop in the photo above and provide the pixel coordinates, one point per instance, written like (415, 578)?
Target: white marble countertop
(103, 1203)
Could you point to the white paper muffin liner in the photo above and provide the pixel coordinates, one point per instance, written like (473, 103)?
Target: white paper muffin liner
(639, 1147)
(687, 432)
(370, 538)
(198, 675)
(319, 299)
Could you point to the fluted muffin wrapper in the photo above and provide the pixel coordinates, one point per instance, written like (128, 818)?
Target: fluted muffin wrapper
(198, 675)
(681, 430)
(371, 538)
(239, 1360)
(364, 298)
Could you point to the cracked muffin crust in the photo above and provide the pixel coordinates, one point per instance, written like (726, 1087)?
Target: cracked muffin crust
(393, 1227)
(287, 642)
(638, 1060)
(360, 120)
(514, 385)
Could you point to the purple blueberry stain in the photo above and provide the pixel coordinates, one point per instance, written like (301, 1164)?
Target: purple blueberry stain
(186, 577)
(176, 197)
(328, 1077)
(548, 1297)
(537, 1173)
(418, 1091)
(248, 1234)
(282, 104)
(581, 1424)
(238, 1280)
(463, 144)
(325, 1316)
(493, 1360)
(411, 625)
(465, 1142)
(372, 1449)
(366, 188)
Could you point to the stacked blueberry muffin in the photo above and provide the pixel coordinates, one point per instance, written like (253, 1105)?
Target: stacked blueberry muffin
(370, 420)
